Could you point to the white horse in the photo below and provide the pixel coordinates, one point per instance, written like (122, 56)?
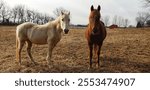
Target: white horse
(49, 33)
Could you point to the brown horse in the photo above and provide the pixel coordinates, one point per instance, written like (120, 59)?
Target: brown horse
(95, 33)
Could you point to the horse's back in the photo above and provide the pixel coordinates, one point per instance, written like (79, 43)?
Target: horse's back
(21, 31)
(24, 26)
(33, 32)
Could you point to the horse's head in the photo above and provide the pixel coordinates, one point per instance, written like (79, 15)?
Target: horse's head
(64, 21)
(94, 18)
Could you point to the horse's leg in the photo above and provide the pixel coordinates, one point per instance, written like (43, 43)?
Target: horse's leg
(20, 44)
(91, 54)
(49, 54)
(98, 55)
(29, 46)
(95, 50)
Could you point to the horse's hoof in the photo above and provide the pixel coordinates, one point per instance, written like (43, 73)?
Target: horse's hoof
(50, 66)
(90, 68)
(97, 66)
(19, 63)
(50, 63)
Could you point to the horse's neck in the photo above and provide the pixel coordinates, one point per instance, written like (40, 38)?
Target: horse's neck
(56, 24)
(97, 24)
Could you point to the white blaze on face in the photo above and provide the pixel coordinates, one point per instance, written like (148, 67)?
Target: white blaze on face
(65, 20)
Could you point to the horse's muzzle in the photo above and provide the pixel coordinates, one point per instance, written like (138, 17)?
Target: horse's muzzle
(66, 31)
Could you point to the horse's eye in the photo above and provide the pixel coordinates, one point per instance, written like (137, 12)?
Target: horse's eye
(62, 19)
(69, 20)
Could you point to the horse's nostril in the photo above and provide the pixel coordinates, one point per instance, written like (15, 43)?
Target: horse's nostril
(66, 31)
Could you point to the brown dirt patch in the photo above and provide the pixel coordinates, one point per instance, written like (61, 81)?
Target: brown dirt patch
(125, 50)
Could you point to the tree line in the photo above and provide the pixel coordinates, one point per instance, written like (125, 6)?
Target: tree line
(143, 17)
(19, 14)
(117, 20)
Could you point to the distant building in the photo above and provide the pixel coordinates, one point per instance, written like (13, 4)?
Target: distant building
(113, 26)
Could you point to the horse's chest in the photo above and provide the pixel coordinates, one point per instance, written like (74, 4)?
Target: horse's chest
(55, 38)
(96, 38)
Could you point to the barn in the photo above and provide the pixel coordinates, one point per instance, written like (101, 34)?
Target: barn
(113, 26)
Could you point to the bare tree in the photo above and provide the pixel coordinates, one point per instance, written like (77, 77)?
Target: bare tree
(33, 16)
(5, 13)
(148, 22)
(8, 15)
(115, 20)
(143, 17)
(47, 18)
(106, 20)
(1, 4)
(126, 23)
(28, 15)
(120, 21)
(14, 13)
(58, 11)
(21, 13)
(41, 19)
(37, 17)
(147, 3)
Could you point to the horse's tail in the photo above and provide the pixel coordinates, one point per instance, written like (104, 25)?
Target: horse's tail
(16, 46)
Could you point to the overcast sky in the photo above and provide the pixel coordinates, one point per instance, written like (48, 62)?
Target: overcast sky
(80, 9)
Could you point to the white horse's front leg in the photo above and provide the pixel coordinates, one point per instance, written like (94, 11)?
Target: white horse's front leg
(49, 54)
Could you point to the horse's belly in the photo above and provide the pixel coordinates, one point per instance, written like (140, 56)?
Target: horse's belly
(38, 38)
(96, 39)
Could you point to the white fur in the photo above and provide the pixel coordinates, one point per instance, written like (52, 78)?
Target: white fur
(49, 33)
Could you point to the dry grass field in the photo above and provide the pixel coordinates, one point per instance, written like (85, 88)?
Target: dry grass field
(123, 51)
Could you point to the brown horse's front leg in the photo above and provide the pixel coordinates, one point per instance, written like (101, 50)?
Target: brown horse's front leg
(98, 55)
(91, 54)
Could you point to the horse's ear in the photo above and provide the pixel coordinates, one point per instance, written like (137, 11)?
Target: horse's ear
(92, 8)
(99, 8)
(62, 13)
